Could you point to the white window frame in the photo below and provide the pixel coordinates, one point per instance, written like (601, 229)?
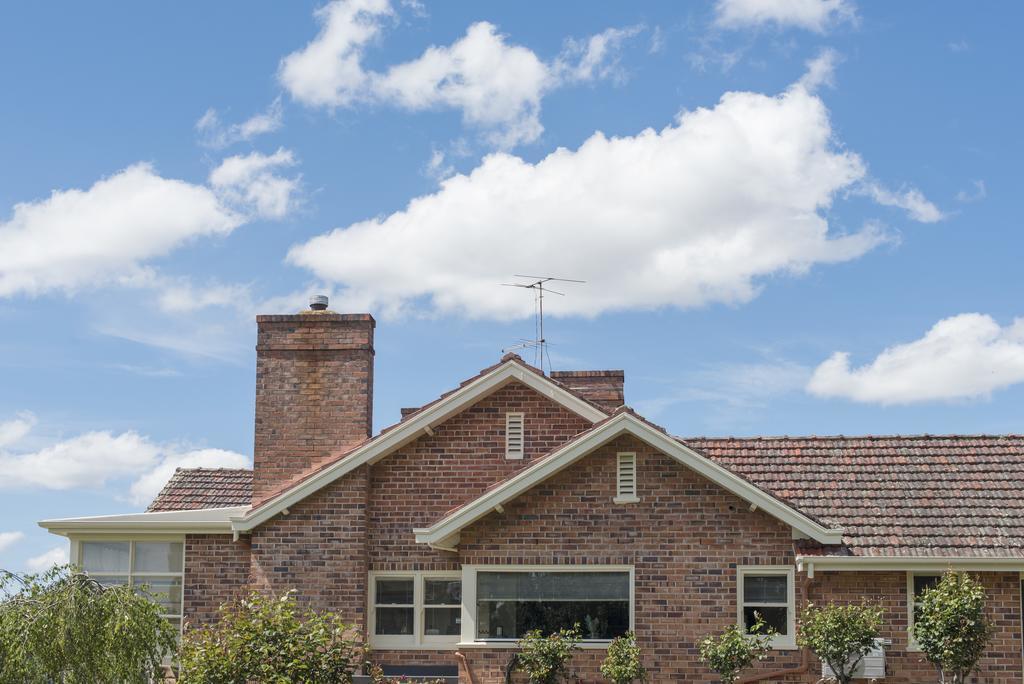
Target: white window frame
(634, 497)
(469, 572)
(510, 453)
(781, 642)
(131, 575)
(911, 602)
(416, 640)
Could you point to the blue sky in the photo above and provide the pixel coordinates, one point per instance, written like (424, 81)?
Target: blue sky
(793, 218)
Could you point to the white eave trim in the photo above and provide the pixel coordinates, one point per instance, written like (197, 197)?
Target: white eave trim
(414, 427)
(813, 564)
(620, 424)
(202, 520)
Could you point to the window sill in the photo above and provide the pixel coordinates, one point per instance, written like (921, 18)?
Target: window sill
(626, 499)
(513, 643)
(444, 646)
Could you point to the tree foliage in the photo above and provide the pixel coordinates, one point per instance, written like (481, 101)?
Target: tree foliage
(271, 640)
(623, 666)
(950, 626)
(840, 635)
(63, 626)
(734, 650)
(545, 659)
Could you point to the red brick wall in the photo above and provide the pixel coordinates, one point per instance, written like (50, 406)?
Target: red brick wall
(216, 571)
(314, 392)
(606, 388)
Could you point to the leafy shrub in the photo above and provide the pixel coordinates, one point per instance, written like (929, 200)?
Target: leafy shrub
(734, 650)
(270, 640)
(63, 626)
(840, 635)
(545, 659)
(951, 627)
(623, 666)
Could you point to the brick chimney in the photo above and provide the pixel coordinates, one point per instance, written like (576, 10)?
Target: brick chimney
(606, 388)
(314, 390)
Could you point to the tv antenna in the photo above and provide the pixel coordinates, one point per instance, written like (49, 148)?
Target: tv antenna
(539, 344)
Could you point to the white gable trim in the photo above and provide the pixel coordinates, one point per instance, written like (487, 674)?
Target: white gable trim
(414, 427)
(937, 564)
(202, 520)
(444, 534)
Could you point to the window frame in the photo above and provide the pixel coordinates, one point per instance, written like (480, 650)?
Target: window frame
(131, 576)
(621, 498)
(416, 640)
(912, 602)
(781, 642)
(469, 607)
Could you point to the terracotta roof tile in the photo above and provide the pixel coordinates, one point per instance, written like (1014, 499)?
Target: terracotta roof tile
(191, 488)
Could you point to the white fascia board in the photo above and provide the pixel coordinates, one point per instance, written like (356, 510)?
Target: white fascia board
(406, 432)
(203, 520)
(910, 563)
(620, 424)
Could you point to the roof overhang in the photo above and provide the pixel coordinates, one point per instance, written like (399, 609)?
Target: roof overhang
(445, 533)
(199, 521)
(812, 564)
(419, 424)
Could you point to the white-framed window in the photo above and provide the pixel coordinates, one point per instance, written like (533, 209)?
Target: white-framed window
(514, 435)
(917, 582)
(768, 591)
(156, 563)
(625, 478)
(415, 609)
(502, 602)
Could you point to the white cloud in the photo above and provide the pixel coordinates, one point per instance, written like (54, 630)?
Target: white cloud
(78, 238)
(14, 430)
(911, 200)
(9, 538)
(437, 168)
(962, 357)
(181, 296)
(958, 46)
(249, 183)
(214, 134)
(821, 70)
(100, 458)
(144, 489)
(813, 15)
(44, 561)
(979, 193)
(697, 213)
(497, 86)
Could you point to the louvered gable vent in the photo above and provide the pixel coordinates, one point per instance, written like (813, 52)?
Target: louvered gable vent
(626, 479)
(514, 435)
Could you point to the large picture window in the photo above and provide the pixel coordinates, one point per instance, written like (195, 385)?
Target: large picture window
(511, 603)
(157, 565)
(768, 592)
(415, 609)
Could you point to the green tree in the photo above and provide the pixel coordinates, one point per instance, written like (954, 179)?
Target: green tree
(63, 626)
(950, 626)
(840, 635)
(271, 640)
(545, 659)
(623, 666)
(735, 649)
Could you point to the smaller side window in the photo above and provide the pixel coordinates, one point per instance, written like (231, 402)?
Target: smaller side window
(916, 585)
(514, 439)
(768, 593)
(394, 605)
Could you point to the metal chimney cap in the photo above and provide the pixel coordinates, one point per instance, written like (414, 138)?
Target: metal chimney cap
(318, 302)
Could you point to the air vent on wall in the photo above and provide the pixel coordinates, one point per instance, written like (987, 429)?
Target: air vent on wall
(625, 488)
(514, 435)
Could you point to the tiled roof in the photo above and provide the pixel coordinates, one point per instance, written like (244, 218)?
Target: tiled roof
(191, 488)
(893, 496)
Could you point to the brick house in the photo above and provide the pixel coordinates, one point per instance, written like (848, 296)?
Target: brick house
(521, 500)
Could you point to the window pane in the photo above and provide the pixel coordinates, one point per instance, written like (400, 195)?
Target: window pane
(765, 589)
(442, 621)
(114, 581)
(442, 591)
(394, 591)
(164, 590)
(922, 582)
(512, 619)
(394, 621)
(581, 586)
(776, 618)
(105, 556)
(158, 556)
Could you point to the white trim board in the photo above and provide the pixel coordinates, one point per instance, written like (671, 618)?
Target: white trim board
(423, 422)
(444, 534)
(922, 564)
(202, 520)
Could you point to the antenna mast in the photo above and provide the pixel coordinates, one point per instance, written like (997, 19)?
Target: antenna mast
(539, 344)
